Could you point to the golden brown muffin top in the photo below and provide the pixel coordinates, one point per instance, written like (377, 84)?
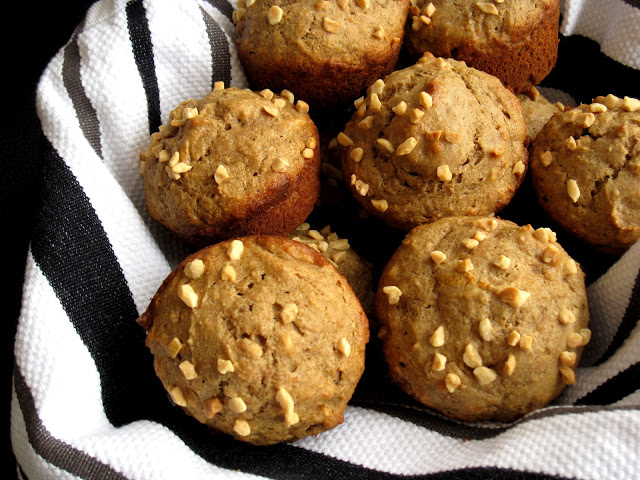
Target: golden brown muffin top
(451, 24)
(318, 31)
(481, 318)
(586, 171)
(537, 110)
(434, 139)
(226, 157)
(240, 321)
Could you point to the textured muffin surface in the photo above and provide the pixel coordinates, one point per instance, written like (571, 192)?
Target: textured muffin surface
(482, 319)
(260, 338)
(325, 52)
(515, 41)
(537, 110)
(432, 140)
(586, 171)
(234, 163)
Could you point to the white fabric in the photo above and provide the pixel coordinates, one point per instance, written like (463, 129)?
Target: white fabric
(614, 24)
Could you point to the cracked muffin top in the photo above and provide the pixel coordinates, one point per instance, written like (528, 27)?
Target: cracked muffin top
(432, 140)
(325, 51)
(482, 319)
(234, 163)
(260, 338)
(585, 166)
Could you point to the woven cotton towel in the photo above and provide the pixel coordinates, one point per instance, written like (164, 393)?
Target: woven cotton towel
(86, 402)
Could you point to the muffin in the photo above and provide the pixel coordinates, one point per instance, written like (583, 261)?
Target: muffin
(537, 110)
(482, 319)
(325, 52)
(586, 171)
(260, 338)
(234, 163)
(514, 41)
(357, 271)
(432, 140)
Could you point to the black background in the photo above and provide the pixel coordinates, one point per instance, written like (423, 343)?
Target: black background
(35, 32)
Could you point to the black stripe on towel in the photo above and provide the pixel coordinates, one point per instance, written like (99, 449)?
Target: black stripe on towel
(627, 325)
(142, 48)
(223, 6)
(615, 389)
(52, 450)
(220, 56)
(633, 3)
(71, 248)
(72, 80)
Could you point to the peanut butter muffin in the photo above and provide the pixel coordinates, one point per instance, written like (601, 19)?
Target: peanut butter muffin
(586, 171)
(357, 271)
(482, 319)
(324, 51)
(234, 163)
(260, 338)
(432, 140)
(537, 110)
(515, 41)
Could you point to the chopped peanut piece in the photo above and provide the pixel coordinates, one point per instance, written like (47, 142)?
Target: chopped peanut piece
(470, 243)
(415, 115)
(380, 205)
(630, 104)
(568, 358)
(488, 8)
(188, 295)
(525, 342)
(174, 347)
(514, 297)
(374, 103)
(344, 347)
(426, 100)
(568, 375)
(285, 400)
(212, 407)
(407, 146)
(503, 262)
(574, 340)
(585, 333)
(486, 329)
(573, 190)
(439, 362)
(234, 252)
(377, 87)
(437, 256)
(484, 375)
(275, 15)
(444, 173)
(242, 428)
(289, 312)
(566, 317)
(188, 370)
(437, 337)
(571, 144)
(225, 366)
(400, 108)
(194, 269)
(386, 144)
(452, 381)
(356, 154)
(471, 357)
(344, 140)
(513, 339)
(464, 265)
(546, 158)
(218, 86)
(178, 397)
(330, 25)
(393, 294)
(221, 174)
(237, 405)
(228, 273)
(510, 365)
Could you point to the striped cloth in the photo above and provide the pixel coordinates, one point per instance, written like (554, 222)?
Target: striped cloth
(86, 402)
